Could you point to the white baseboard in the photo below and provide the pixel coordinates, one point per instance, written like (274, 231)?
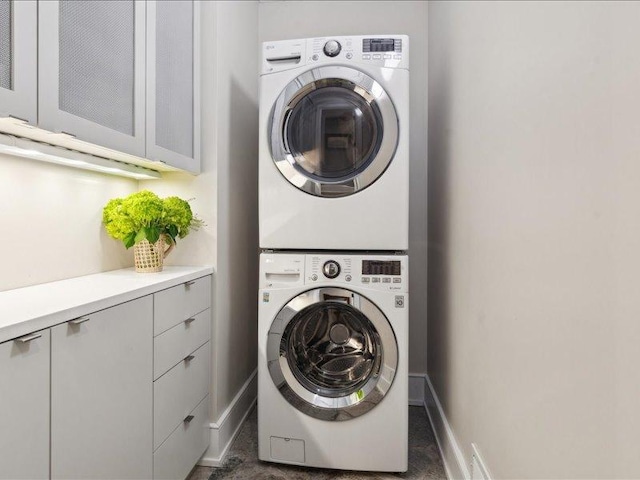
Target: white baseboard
(452, 457)
(416, 389)
(225, 430)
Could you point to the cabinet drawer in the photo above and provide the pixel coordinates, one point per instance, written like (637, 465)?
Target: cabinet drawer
(172, 346)
(178, 303)
(178, 391)
(176, 457)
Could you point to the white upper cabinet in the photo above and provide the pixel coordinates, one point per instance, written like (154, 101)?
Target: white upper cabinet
(173, 94)
(18, 59)
(91, 61)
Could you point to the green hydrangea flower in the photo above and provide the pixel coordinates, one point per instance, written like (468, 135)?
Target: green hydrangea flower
(177, 212)
(145, 216)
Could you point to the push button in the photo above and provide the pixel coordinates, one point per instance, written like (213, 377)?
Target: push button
(377, 56)
(386, 280)
(314, 277)
(375, 280)
(365, 279)
(347, 278)
(366, 57)
(397, 280)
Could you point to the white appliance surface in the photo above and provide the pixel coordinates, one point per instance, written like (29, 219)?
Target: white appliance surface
(291, 429)
(365, 206)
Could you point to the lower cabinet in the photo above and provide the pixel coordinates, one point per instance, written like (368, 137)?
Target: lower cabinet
(182, 353)
(101, 397)
(102, 393)
(24, 407)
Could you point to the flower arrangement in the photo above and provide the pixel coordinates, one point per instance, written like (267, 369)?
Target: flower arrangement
(144, 217)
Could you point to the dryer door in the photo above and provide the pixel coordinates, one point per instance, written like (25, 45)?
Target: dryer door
(332, 354)
(333, 131)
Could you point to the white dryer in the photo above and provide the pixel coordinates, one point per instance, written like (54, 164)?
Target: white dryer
(334, 143)
(332, 361)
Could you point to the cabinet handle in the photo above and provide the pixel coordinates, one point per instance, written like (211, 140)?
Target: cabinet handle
(189, 284)
(28, 338)
(80, 320)
(188, 418)
(189, 320)
(189, 358)
(18, 118)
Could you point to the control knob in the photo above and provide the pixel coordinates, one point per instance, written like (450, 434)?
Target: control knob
(332, 48)
(331, 269)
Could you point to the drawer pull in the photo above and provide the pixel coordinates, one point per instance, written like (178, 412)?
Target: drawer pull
(80, 320)
(189, 320)
(188, 418)
(28, 338)
(189, 358)
(189, 284)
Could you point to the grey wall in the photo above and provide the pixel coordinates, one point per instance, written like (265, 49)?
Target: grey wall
(301, 19)
(534, 233)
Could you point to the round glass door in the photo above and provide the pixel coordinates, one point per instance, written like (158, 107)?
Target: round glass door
(332, 354)
(333, 131)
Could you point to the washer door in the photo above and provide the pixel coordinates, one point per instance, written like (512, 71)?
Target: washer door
(333, 131)
(332, 354)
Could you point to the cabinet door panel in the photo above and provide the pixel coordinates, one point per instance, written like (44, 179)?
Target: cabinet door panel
(18, 59)
(91, 60)
(101, 394)
(24, 407)
(173, 83)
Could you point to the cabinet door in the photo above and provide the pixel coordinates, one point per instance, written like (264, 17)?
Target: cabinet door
(91, 71)
(18, 59)
(101, 394)
(24, 407)
(173, 85)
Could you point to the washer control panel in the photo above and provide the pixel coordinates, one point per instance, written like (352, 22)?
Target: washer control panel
(390, 51)
(380, 272)
(384, 50)
(383, 272)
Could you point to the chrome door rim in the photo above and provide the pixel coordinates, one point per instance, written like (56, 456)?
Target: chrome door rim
(324, 407)
(363, 85)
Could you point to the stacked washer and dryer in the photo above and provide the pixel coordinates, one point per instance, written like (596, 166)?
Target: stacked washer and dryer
(334, 209)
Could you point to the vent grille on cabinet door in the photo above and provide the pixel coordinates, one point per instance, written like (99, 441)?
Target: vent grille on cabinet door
(5, 44)
(174, 76)
(97, 62)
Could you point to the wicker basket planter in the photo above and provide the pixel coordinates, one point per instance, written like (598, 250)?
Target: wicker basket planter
(149, 257)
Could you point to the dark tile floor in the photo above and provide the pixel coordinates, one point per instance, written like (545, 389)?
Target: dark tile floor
(242, 460)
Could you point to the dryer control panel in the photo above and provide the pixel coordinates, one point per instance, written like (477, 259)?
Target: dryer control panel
(390, 51)
(379, 272)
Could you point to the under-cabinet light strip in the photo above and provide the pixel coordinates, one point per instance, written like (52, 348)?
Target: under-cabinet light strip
(26, 148)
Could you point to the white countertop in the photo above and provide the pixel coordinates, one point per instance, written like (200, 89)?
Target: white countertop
(29, 309)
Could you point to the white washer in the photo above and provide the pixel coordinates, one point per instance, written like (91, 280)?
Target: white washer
(332, 360)
(334, 143)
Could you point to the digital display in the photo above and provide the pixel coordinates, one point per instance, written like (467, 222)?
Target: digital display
(381, 267)
(381, 45)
